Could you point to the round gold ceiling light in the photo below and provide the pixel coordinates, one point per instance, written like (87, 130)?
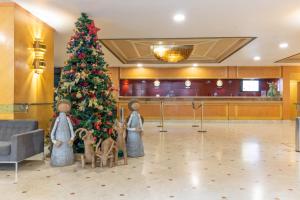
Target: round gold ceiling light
(172, 53)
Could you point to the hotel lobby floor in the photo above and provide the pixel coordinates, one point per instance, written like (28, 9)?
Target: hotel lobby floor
(233, 160)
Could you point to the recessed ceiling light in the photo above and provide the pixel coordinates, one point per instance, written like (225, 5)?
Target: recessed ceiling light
(283, 45)
(140, 65)
(160, 42)
(257, 58)
(179, 18)
(195, 65)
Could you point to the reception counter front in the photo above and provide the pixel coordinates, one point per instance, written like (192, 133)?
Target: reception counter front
(228, 101)
(214, 108)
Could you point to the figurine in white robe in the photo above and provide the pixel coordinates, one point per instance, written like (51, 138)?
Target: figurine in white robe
(62, 136)
(134, 145)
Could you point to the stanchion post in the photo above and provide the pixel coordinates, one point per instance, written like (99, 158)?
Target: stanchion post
(160, 121)
(162, 130)
(194, 113)
(201, 120)
(297, 135)
(297, 131)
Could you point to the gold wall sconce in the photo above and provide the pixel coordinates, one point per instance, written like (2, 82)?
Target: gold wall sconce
(39, 63)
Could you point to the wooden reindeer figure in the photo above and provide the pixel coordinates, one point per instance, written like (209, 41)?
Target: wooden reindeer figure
(121, 142)
(105, 151)
(89, 152)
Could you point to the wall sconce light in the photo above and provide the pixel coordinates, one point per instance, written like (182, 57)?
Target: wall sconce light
(187, 84)
(219, 83)
(156, 83)
(39, 63)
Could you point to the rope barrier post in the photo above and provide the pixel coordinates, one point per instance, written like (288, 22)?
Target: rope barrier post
(201, 120)
(194, 113)
(162, 130)
(160, 121)
(297, 132)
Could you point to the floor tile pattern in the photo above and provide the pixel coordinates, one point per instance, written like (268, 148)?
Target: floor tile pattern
(239, 160)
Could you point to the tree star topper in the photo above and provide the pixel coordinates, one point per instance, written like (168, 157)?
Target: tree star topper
(92, 28)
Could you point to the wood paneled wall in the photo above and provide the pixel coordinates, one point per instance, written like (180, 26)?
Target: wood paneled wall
(26, 87)
(258, 72)
(249, 110)
(201, 72)
(255, 110)
(213, 110)
(174, 73)
(290, 74)
(6, 59)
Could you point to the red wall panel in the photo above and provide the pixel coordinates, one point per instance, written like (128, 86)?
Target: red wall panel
(199, 87)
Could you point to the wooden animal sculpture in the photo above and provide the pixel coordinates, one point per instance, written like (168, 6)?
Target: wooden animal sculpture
(121, 141)
(89, 152)
(106, 151)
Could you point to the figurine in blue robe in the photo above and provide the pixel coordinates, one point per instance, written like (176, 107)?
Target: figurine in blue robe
(62, 137)
(134, 145)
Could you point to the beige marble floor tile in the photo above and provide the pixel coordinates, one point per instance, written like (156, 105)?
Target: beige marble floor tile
(251, 160)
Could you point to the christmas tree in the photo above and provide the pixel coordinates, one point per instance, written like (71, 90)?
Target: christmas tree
(86, 83)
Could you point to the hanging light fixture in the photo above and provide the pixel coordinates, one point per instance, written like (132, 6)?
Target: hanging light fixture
(172, 53)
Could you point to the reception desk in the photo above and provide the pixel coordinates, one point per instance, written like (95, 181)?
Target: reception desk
(215, 108)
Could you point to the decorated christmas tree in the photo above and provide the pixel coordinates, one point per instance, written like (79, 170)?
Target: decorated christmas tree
(86, 83)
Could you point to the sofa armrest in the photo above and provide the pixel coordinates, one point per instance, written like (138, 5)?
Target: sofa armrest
(27, 144)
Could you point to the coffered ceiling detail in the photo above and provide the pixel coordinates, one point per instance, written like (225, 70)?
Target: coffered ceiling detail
(206, 50)
(291, 59)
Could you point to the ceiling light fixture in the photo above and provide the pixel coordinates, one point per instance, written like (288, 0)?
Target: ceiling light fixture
(195, 65)
(283, 45)
(172, 53)
(140, 65)
(257, 58)
(179, 18)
